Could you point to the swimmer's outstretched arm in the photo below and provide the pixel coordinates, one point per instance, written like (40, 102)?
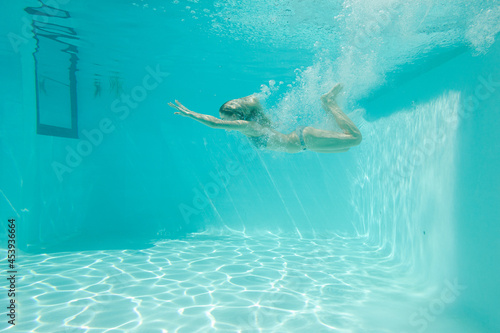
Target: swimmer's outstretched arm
(243, 126)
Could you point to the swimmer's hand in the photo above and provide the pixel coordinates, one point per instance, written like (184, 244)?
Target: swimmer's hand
(183, 111)
(202, 118)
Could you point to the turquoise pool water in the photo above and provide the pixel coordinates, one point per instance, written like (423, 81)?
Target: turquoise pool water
(132, 219)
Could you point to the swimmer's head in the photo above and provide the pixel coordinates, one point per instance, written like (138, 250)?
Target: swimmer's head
(246, 108)
(233, 110)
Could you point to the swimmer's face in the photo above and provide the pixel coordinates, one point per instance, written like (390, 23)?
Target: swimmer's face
(232, 110)
(231, 116)
(227, 116)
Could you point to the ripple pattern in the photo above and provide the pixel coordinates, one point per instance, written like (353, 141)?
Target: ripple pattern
(218, 284)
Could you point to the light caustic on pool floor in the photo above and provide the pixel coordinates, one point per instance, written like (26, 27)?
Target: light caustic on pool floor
(223, 284)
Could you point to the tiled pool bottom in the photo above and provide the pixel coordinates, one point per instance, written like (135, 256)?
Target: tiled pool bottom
(223, 284)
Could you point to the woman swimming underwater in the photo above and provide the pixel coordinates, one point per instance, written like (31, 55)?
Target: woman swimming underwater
(246, 115)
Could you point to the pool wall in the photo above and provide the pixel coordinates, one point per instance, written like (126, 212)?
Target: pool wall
(474, 192)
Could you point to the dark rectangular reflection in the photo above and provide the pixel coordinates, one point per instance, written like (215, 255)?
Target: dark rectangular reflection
(55, 67)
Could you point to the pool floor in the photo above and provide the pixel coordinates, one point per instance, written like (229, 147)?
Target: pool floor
(219, 284)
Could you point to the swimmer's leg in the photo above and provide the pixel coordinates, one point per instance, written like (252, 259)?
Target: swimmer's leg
(330, 105)
(323, 141)
(332, 94)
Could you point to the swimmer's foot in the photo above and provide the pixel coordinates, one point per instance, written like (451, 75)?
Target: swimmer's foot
(330, 96)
